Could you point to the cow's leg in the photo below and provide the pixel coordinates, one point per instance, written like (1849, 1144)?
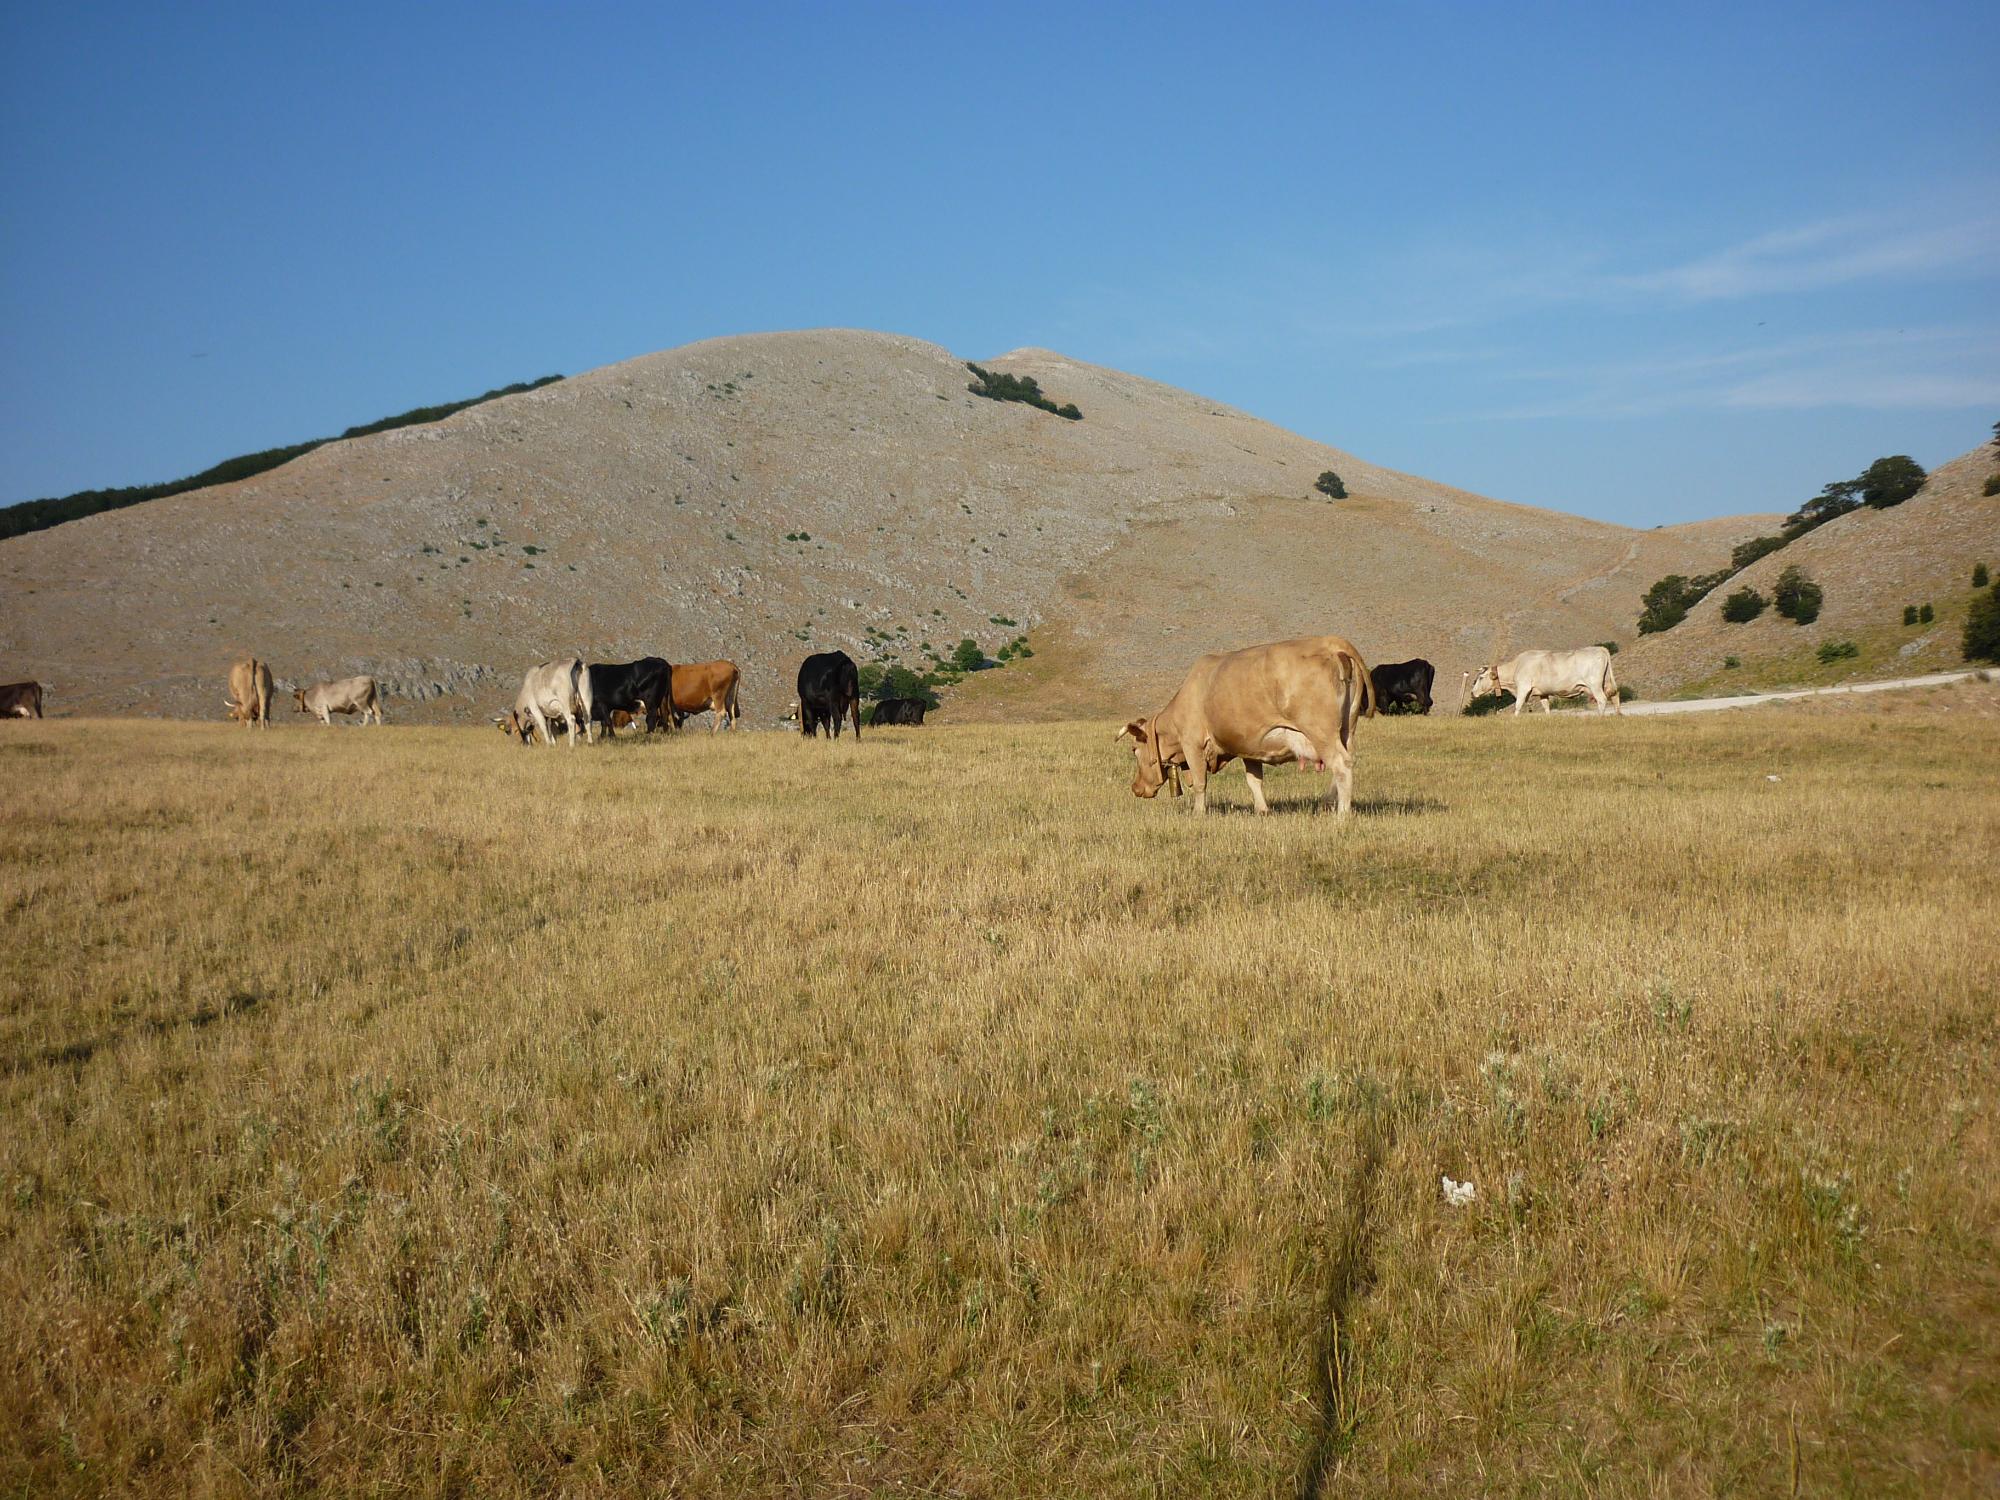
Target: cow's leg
(1253, 772)
(541, 722)
(1341, 763)
(1197, 772)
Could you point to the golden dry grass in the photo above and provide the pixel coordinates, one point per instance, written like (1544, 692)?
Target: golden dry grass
(404, 1112)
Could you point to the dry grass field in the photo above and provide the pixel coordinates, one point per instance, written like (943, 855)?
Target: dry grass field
(403, 1112)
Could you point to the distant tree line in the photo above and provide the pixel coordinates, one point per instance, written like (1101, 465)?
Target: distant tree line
(39, 515)
(1023, 388)
(1884, 483)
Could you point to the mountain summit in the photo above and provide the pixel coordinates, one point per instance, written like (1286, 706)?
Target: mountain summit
(766, 496)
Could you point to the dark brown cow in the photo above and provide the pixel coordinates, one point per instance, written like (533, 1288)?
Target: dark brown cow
(21, 700)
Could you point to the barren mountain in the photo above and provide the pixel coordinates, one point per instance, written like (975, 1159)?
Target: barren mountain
(766, 496)
(1869, 564)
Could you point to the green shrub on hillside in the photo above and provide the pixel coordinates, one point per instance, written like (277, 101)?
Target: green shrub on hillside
(1743, 605)
(1909, 614)
(1610, 647)
(1329, 484)
(1891, 481)
(1833, 651)
(1979, 575)
(1981, 641)
(1668, 601)
(1745, 553)
(1023, 388)
(1797, 597)
(1926, 615)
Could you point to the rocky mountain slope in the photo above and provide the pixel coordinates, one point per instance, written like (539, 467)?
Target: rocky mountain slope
(766, 496)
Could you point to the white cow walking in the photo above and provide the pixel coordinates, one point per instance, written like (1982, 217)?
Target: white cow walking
(1548, 674)
(554, 690)
(350, 695)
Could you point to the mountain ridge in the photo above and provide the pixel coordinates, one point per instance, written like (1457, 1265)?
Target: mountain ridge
(762, 496)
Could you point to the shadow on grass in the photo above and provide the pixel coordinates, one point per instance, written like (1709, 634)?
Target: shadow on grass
(1311, 807)
(75, 1054)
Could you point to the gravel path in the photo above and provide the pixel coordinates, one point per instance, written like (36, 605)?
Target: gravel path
(1750, 700)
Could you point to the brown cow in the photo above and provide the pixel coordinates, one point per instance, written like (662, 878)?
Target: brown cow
(249, 697)
(1288, 701)
(704, 687)
(21, 700)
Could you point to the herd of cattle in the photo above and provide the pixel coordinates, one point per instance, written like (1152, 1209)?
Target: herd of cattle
(1291, 701)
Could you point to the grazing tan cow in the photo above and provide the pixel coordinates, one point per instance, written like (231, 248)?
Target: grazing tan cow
(350, 695)
(1553, 674)
(249, 697)
(1264, 705)
(706, 686)
(553, 690)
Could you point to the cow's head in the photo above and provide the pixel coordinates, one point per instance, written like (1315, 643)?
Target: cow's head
(512, 723)
(1152, 768)
(299, 697)
(1488, 681)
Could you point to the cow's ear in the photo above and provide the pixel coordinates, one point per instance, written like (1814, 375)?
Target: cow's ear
(1135, 731)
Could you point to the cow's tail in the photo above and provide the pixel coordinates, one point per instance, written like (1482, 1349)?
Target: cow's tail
(1355, 670)
(1611, 685)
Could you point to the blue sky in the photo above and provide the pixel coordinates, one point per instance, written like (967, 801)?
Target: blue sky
(1646, 263)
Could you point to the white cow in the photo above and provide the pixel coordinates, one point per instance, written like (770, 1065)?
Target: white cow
(350, 695)
(1548, 674)
(554, 690)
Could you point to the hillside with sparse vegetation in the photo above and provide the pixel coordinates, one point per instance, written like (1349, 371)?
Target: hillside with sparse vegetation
(764, 497)
(1893, 581)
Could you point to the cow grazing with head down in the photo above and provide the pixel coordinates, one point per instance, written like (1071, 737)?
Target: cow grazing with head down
(829, 690)
(21, 700)
(249, 697)
(706, 687)
(1293, 700)
(350, 695)
(1553, 674)
(1404, 683)
(553, 690)
(898, 711)
(639, 688)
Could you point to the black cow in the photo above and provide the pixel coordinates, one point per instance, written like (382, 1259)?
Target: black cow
(1404, 686)
(21, 700)
(638, 687)
(829, 688)
(897, 711)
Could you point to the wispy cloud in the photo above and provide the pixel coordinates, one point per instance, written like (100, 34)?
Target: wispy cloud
(1831, 253)
(1874, 389)
(1873, 369)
